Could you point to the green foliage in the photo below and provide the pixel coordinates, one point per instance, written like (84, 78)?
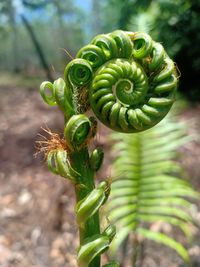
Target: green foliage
(148, 187)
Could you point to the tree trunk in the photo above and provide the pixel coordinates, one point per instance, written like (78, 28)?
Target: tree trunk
(38, 48)
(14, 36)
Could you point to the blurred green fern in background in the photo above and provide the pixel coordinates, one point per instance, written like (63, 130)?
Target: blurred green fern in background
(148, 187)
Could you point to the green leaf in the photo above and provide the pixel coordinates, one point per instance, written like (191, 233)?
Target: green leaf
(163, 239)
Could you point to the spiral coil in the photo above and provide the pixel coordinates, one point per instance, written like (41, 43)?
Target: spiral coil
(130, 79)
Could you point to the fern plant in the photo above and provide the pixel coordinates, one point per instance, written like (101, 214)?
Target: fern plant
(148, 187)
(129, 82)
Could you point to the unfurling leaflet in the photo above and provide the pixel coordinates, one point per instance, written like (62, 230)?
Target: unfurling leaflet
(129, 82)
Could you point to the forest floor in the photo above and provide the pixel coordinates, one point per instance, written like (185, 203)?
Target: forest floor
(37, 224)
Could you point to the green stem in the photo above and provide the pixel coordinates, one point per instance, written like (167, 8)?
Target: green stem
(80, 162)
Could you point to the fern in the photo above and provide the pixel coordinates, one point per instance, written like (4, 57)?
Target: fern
(147, 187)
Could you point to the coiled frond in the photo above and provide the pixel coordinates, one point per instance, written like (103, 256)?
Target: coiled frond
(130, 79)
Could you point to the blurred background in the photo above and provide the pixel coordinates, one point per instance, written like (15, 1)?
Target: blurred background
(37, 39)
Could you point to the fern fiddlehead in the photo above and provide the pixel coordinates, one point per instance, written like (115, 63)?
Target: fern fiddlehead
(130, 78)
(129, 82)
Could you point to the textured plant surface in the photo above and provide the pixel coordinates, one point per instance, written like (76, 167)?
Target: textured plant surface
(148, 187)
(129, 82)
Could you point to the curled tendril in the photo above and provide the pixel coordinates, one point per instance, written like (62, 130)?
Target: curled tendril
(45, 88)
(78, 72)
(77, 131)
(58, 94)
(130, 79)
(142, 45)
